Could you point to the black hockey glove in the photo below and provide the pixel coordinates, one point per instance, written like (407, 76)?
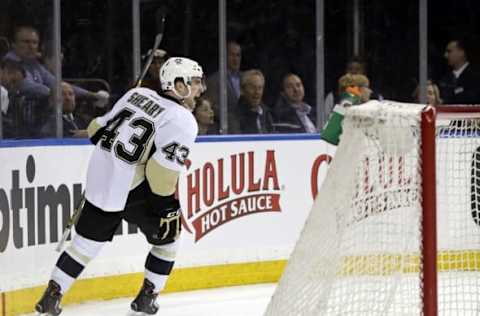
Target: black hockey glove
(166, 209)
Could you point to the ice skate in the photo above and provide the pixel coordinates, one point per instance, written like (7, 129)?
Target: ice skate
(49, 304)
(145, 302)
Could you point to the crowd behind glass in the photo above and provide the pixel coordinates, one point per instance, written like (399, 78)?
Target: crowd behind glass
(264, 95)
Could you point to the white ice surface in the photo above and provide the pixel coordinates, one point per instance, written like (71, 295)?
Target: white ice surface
(249, 300)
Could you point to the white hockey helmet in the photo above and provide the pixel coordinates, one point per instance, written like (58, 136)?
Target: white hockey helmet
(179, 68)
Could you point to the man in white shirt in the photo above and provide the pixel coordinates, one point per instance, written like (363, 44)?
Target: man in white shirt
(141, 146)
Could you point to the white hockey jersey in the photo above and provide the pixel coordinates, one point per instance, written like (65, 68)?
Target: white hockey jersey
(139, 120)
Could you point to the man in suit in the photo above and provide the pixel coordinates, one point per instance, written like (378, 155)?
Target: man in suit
(72, 126)
(252, 115)
(234, 60)
(292, 114)
(460, 86)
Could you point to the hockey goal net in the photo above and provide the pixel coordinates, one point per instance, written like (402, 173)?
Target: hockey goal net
(395, 227)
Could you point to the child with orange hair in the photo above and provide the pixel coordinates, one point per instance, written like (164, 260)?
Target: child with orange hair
(353, 90)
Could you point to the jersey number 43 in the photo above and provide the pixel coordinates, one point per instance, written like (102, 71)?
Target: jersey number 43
(173, 151)
(139, 141)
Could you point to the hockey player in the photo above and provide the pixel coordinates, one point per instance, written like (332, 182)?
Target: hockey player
(140, 149)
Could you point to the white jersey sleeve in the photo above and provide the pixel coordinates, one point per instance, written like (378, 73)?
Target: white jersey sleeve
(174, 141)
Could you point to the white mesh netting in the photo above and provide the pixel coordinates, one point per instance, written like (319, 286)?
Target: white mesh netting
(458, 210)
(359, 252)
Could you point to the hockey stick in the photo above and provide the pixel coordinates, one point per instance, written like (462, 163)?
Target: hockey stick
(156, 44)
(72, 221)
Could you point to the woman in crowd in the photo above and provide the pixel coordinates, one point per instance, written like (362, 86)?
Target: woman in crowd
(433, 94)
(204, 115)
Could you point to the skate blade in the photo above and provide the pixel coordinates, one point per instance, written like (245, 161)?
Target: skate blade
(43, 314)
(133, 313)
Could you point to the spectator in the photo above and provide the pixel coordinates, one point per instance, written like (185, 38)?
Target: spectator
(38, 81)
(292, 115)
(356, 66)
(25, 50)
(460, 86)
(433, 94)
(72, 126)
(152, 79)
(204, 115)
(353, 89)
(253, 116)
(234, 61)
(33, 92)
(12, 75)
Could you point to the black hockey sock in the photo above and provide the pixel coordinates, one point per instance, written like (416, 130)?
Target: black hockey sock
(66, 271)
(157, 271)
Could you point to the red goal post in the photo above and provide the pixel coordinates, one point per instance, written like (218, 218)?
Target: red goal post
(430, 118)
(369, 245)
(429, 211)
